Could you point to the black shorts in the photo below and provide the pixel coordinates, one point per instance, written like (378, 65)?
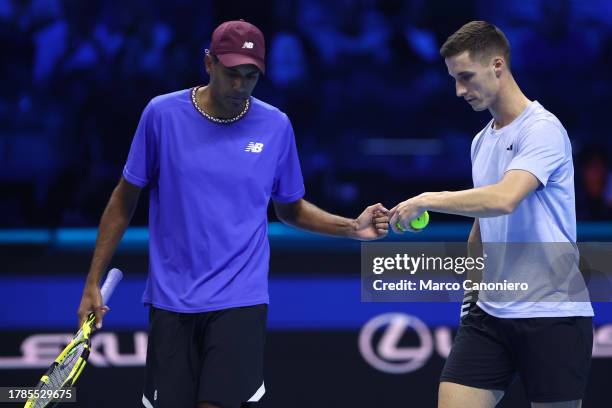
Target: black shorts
(552, 355)
(214, 357)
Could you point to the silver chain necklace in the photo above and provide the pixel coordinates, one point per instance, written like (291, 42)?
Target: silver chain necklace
(212, 118)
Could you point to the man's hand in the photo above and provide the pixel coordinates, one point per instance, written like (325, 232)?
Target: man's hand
(373, 223)
(91, 301)
(405, 212)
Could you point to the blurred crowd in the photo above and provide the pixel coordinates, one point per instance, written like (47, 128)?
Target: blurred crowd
(373, 108)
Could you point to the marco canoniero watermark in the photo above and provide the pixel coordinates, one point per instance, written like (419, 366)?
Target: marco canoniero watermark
(500, 272)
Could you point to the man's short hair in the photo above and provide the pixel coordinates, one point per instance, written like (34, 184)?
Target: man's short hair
(480, 38)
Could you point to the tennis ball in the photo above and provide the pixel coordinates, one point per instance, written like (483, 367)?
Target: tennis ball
(418, 223)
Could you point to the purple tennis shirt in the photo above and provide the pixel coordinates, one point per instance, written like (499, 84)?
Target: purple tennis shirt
(210, 185)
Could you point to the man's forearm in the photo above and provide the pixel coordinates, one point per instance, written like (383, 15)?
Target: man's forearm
(482, 202)
(308, 217)
(115, 219)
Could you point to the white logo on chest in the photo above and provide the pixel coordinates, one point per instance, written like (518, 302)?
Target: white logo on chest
(254, 147)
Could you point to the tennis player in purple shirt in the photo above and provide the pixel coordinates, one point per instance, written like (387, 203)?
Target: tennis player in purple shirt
(212, 156)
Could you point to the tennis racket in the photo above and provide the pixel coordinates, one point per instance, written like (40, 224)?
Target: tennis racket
(68, 366)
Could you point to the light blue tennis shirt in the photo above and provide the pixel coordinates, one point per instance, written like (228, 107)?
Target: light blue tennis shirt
(535, 142)
(210, 185)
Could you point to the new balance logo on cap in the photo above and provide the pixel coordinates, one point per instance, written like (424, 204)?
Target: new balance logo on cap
(238, 43)
(254, 147)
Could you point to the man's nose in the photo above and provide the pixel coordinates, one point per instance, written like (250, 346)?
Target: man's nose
(460, 90)
(238, 84)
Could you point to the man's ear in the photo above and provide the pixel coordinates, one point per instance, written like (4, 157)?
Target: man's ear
(498, 65)
(208, 63)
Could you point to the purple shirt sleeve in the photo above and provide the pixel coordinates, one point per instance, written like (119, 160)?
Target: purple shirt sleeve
(142, 162)
(288, 182)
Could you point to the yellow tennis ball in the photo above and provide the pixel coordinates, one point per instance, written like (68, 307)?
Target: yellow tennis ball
(417, 224)
(420, 222)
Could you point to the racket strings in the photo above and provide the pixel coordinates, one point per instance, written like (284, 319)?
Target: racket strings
(59, 375)
(63, 369)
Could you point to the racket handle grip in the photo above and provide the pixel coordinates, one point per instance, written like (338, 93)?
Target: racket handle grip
(110, 283)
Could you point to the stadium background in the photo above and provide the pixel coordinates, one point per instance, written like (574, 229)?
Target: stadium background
(376, 119)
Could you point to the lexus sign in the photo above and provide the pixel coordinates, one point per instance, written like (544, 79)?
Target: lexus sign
(386, 353)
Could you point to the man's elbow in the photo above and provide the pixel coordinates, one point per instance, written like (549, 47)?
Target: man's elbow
(287, 213)
(506, 209)
(513, 189)
(507, 205)
(284, 217)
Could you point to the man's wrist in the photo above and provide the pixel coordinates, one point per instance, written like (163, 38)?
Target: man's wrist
(424, 202)
(93, 278)
(352, 230)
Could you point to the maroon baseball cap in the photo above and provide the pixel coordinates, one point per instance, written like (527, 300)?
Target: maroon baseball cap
(238, 42)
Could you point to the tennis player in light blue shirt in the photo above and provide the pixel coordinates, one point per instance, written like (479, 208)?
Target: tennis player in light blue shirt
(523, 195)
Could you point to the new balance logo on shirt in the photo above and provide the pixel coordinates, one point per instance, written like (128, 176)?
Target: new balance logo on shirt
(254, 147)
(509, 148)
(248, 44)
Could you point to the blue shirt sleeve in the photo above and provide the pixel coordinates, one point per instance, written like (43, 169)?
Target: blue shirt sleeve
(288, 181)
(542, 149)
(142, 162)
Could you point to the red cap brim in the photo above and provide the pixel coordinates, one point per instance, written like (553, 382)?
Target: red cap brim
(231, 60)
